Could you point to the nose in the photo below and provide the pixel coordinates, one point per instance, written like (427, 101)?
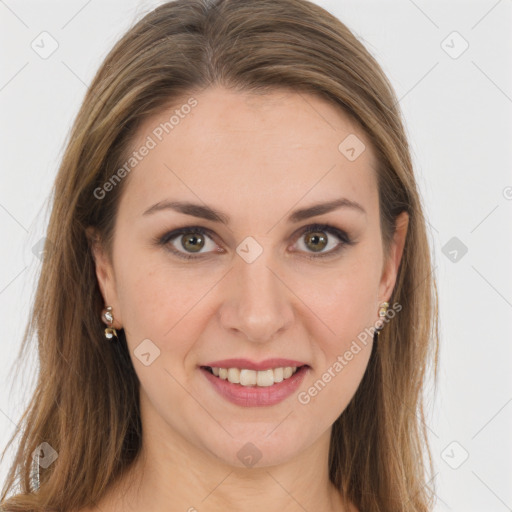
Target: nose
(257, 303)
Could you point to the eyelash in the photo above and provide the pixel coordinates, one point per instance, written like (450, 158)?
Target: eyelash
(171, 235)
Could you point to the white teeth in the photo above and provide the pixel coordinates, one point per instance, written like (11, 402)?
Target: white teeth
(234, 375)
(263, 378)
(248, 377)
(278, 374)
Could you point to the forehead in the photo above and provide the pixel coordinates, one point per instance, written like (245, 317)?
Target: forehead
(246, 149)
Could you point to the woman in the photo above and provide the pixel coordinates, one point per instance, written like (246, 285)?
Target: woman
(238, 309)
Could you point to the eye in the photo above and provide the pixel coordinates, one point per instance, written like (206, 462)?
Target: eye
(315, 238)
(190, 239)
(189, 242)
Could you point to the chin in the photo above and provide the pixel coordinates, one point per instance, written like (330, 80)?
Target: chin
(257, 450)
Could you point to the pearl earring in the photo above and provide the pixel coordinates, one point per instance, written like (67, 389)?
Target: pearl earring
(108, 317)
(382, 313)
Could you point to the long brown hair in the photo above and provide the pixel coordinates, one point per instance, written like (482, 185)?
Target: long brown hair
(85, 404)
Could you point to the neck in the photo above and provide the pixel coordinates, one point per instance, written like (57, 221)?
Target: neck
(170, 473)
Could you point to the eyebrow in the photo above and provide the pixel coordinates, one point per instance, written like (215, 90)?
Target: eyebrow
(208, 213)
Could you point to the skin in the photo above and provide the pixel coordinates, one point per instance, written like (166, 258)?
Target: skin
(256, 158)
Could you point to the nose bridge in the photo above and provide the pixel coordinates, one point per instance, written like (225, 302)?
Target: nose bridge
(257, 302)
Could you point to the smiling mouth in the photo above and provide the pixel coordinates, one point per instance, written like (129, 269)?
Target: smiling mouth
(248, 378)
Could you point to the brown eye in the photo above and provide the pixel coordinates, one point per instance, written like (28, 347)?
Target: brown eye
(189, 242)
(192, 242)
(322, 240)
(316, 240)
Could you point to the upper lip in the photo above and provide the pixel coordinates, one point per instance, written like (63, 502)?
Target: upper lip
(253, 365)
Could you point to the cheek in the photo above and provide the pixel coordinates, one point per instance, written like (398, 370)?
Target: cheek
(160, 301)
(328, 394)
(345, 299)
(346, 306)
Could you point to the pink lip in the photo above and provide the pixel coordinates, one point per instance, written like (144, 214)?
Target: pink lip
(251, 365)
(256, 396)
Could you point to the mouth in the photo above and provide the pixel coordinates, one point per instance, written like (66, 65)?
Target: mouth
(254, 378)
(247, 387)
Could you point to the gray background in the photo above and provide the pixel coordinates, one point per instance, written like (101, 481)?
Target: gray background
(457, 107)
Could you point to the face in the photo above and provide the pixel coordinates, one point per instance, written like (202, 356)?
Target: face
(249, 281)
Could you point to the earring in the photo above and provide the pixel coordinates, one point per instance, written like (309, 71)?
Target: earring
(108, 318)
(382, 313)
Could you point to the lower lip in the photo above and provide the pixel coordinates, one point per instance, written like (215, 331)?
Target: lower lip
(256, 396)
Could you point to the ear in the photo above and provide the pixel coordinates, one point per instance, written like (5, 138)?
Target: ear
(104, 275)
(390, 270)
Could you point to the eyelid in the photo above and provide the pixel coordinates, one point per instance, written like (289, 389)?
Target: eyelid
(341, 234)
